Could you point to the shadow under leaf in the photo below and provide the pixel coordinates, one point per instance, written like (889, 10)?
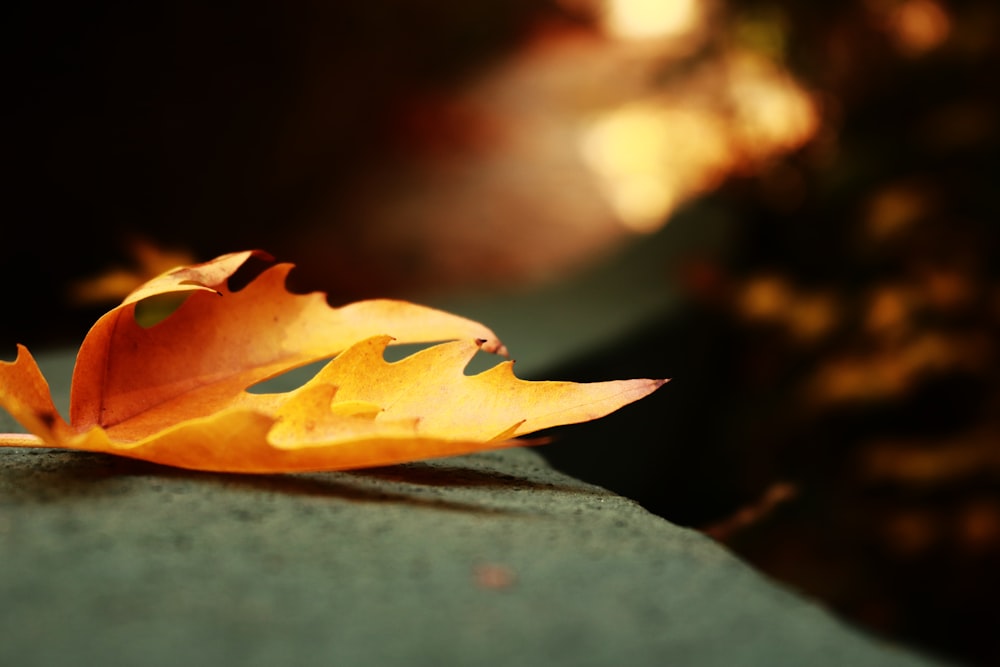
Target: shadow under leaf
(50, 475)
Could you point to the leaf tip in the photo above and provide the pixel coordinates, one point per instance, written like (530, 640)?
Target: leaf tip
(493, 347)
(656, 384)
(19, 349)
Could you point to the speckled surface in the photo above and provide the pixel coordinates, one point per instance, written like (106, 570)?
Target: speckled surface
(490, 559)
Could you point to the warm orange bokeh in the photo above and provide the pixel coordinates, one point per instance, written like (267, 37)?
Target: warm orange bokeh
(583, 138)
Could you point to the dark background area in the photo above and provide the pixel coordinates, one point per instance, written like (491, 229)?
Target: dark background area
(208, 128)
(834, 414)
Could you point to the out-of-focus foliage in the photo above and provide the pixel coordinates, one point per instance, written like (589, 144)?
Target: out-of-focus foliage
(863, 294)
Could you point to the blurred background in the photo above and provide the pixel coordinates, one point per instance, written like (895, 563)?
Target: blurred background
(786, 207)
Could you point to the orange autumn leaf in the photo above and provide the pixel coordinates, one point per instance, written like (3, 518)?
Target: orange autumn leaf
(176, 392)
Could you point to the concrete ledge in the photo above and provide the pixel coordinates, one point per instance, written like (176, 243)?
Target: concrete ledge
(490, 559)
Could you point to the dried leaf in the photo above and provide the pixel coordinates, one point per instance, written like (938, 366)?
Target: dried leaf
(176, 392)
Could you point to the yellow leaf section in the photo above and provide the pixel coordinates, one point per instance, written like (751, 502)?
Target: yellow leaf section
(431, 388)
(236, 441)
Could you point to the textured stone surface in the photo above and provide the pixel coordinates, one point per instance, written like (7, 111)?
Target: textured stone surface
(490, 559)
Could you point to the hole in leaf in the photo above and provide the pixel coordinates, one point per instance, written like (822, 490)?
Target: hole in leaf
(394, 353)
(289, 380)
(248, 272)
(153, 310)
(480, 362)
